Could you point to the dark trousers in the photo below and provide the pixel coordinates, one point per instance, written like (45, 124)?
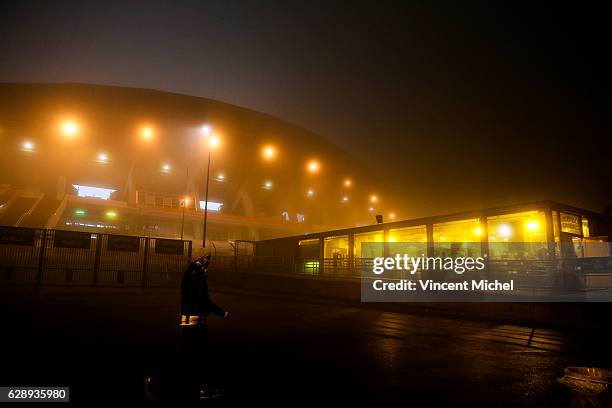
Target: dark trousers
(196, 354)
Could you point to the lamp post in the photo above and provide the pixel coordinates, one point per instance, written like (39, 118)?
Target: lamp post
(206, 201)
(213, 141)
(185, 203)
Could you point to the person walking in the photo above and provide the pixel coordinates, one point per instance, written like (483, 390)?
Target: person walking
(196, 305)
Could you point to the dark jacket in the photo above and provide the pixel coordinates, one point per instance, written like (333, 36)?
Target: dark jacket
(195, 299)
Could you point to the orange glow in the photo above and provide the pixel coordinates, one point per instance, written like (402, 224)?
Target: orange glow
(313, 166)
(102, 157)
(206, 130)
(27, 146)
(373, 198)
(348, 182)
(214, 142)
(269, 152)
(69, 128)
(147, 133)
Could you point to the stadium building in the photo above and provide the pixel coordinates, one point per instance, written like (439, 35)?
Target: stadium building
(134, 162)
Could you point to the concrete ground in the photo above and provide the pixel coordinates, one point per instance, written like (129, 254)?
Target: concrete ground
(103, 342)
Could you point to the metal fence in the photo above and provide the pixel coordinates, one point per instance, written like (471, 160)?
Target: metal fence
(541, 274)
(37, 256)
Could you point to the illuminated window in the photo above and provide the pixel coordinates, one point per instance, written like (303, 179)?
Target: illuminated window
(457, 238)
(212, 205)
(586, 232)
(336, 247)
(518, 236)
(571, 224)
(373, 244)
(411, 241)
(555, 226)
(300, 217)
(96, 192)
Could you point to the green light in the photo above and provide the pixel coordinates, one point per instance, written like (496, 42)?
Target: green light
(311, 266)
(80, 212)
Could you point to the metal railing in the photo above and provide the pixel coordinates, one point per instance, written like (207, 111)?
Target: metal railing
(539, 274)
(37, 256)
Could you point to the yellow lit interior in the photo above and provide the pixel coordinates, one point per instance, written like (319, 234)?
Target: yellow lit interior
(458, 231)
(411, 241)
(457, 238)
(336, 247)
(372, 250)
(517, 236)
(586, 232)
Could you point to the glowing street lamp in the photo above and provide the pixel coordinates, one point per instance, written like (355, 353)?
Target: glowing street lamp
(392, 216)
(345, 199)
(206, 130)
(313, 166)
(69, 128)
(147, 133)
(348, 182)
(269, 152)
(213, 142)
(373, 198)
(267, 185)
(310, 193)
(166, 168)
(102, 158)
(27, 146)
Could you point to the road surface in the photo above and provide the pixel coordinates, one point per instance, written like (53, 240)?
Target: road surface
(102, 342)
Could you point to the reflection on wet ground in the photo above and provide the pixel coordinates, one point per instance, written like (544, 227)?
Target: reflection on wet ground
(278, 349)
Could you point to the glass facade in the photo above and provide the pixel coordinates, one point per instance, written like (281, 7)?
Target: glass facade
(336, 247)
(570, 224)
(518, 236)
(586, 232)
(368, 251)
(515, 236)
(457, 238)
(410, 240)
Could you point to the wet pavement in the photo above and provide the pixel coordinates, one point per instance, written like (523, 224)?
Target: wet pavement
(104, 342)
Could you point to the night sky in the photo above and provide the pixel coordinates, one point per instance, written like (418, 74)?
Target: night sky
(456, 106)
